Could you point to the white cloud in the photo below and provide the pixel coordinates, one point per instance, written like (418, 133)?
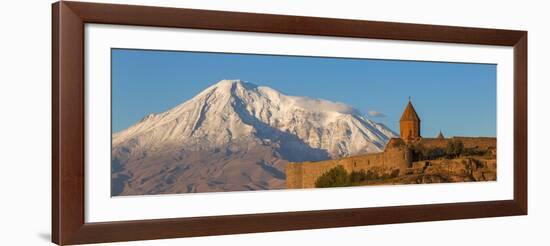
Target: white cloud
(373, 113)
(321, 105)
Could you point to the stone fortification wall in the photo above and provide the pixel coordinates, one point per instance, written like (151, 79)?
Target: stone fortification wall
(304, 174)
(395, 156)
(469, 142)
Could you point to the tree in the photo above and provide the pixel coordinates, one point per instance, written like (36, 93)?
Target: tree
(435, 153)
(418, 151)
(335, 177)
(357, 176)
(454, 148)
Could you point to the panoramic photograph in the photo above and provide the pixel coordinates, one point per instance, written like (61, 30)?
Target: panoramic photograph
(193, 122)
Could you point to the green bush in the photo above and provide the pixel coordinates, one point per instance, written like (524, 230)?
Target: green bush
(335, 177)
(371, 175)
(454, 148)
(358, 176)
(474, 152)
(339, 177)
(391, 175)
(394, 173)
(435, 153)
(420, 152)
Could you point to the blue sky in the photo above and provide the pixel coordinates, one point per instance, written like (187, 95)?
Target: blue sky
(457, 98)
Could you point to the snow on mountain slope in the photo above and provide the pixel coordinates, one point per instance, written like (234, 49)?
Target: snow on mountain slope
(236, 136)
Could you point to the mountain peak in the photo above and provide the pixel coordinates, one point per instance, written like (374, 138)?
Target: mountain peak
(225, 82)
(230, 83)
(226, 86)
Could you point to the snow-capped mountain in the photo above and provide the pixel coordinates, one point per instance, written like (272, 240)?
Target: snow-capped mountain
(236, 136)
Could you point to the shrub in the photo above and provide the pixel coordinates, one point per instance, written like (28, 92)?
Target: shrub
(394, 173)
(454, 148)
(420, 152)
(372, 175)
(338, 177)
(474, 152)
(335, 177)
(391, 175)
(358, 176)
(435, 153)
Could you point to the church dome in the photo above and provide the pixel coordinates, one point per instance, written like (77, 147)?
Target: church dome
(409, 114)
(440, 135)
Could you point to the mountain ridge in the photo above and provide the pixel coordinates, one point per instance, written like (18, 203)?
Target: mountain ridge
(255, 126)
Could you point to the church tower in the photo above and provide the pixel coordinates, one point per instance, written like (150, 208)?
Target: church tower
(409, 124)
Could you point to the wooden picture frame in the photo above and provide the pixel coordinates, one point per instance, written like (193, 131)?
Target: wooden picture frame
(68, 117)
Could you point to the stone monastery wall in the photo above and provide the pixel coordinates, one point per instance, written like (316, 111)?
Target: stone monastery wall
(304, 174)
(396, 156)
(469, 142)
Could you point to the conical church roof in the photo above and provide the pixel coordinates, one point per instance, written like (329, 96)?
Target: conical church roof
(409, 114)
